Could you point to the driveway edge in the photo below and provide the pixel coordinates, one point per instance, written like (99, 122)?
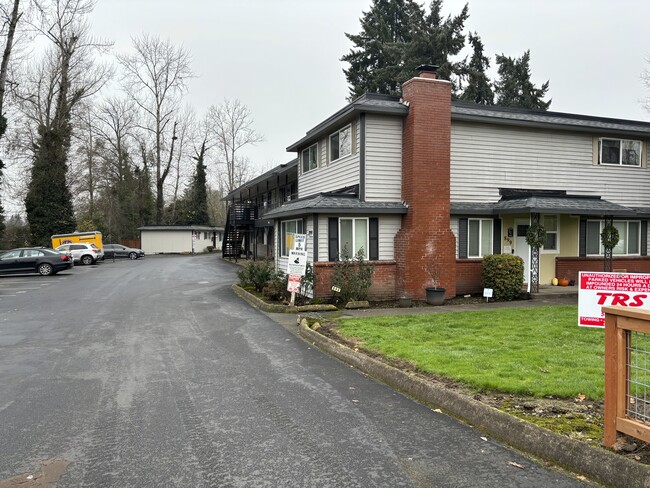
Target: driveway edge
(272, 308)
(599, 464)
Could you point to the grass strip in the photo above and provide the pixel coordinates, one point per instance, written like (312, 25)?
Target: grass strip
(537, 351)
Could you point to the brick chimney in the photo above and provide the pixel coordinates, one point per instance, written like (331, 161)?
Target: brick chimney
(425, 247)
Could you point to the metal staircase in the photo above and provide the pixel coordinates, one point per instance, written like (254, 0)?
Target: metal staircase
(240, 224)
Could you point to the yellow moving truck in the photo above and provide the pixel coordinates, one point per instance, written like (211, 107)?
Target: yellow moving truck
(93, 237)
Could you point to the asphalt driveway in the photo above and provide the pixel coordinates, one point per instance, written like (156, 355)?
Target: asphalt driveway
(153, 373)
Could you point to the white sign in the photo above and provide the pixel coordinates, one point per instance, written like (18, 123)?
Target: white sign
(599, 290)
(487, 292)
(297, 263)
(300, 242)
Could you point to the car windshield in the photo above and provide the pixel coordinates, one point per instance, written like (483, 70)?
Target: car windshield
(93, 246)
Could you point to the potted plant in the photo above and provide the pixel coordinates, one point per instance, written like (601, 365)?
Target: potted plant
(435, 294)
(405, 301)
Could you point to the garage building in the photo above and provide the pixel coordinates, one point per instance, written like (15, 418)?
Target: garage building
(162, 239)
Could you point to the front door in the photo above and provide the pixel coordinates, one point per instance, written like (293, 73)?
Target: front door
(522, 249)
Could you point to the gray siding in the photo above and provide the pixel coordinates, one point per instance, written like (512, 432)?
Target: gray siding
(331, 176)
(485, 158)
(383, 158)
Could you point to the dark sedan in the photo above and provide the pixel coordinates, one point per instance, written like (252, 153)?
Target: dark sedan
(120, 251)
(43, 261)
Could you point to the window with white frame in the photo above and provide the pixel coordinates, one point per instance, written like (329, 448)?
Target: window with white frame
(341, 143)
(479, 237)
(353, 237)
(629, 233)
(288, 229)
(552, 227)
(622, 152)
(310, 158)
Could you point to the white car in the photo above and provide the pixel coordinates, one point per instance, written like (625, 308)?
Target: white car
(81, 252)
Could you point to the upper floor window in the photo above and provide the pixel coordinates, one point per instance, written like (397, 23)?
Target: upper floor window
(623, 152)
(310, 158)
(341, 143)
(479, 233)
(629, 237)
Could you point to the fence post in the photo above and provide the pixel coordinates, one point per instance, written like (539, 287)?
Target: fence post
(611, 379)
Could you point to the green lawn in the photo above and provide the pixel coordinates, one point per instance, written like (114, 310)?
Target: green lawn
(537, 351)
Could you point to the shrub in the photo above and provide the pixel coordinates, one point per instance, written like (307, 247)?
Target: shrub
(353, 277)
(276, 288)
(209, 248)
(255, 274)
(504, 273)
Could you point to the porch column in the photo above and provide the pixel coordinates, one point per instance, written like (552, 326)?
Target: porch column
(534, 259)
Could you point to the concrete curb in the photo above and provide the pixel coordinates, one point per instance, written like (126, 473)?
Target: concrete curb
(599, 464)
(267, 307)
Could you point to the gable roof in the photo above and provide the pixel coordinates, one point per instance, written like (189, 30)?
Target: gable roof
(548, 120)
(334, 203)
(567, 204)
(368, 103)
(180, 228)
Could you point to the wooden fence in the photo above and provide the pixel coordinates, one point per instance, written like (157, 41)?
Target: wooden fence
(135, 243)
(627, 373)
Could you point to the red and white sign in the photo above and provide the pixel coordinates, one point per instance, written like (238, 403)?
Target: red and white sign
(293, 285)
(599, 290)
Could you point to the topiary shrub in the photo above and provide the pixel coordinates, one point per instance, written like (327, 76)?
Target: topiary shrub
(504, 273)
(255, 274)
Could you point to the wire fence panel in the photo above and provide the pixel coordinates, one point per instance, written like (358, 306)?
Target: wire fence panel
(637, 401)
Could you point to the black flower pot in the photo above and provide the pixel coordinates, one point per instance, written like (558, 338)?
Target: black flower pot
(435, 296)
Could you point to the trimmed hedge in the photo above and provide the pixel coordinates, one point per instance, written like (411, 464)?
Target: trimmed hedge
(504, 273)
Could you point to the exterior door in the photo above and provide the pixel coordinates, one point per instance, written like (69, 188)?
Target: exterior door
(522, 249)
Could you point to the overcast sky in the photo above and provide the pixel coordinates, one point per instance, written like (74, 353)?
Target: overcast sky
(281, 57)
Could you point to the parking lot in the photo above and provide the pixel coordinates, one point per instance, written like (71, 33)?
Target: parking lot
(13, 285)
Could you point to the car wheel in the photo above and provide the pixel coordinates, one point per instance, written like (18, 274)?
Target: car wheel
(133, 255)
(45, 269)
(87, 259)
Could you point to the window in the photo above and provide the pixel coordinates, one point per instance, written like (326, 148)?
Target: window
(619, 151)
(353, 237)
(288, 229)
(310, 158)
(32, 253)
(341, 143)
(629, 233)
(11, 255)
(479, 235)
(550, 223)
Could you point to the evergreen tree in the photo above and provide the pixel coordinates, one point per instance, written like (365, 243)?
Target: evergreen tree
(146, 203)
(396, 37)
(435, 41)
(378, 57)
(198, 201)
(514, 87)
(49, 202)
(192, 208)
(477, 85)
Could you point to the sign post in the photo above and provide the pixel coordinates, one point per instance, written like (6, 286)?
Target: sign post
(296, 264)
